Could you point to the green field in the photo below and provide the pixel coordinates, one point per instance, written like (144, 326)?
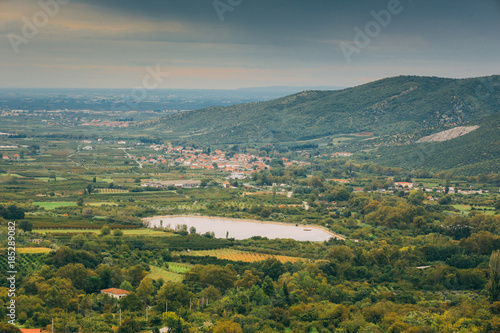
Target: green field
(482, 209)
(162, 273)
(48, 179)
(50, 205)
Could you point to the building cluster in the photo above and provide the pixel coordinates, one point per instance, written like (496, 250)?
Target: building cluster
(240, 164)
(14, 157)
(106, 123)
(342, 154)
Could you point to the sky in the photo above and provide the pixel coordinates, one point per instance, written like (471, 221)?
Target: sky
(228, 44)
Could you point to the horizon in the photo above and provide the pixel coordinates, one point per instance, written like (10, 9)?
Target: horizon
(326, 88)
(195, 44)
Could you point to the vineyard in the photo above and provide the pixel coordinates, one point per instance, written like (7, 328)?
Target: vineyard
(33, 250)
(236, 255)
(111, 190)
(25, 262)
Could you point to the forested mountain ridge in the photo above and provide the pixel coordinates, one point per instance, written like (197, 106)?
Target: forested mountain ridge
(385, 107)
(473, 153)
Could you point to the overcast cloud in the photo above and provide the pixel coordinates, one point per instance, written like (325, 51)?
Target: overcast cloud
(108, 43)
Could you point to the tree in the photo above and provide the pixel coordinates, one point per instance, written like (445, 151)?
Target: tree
(222, 278)
(105, 230)
(176, 294)
(92, 284)
(173, 322)
(26, 225)
(126, 286)
(87, 212)
(265, 212)
(12, 212)
(227, 326)
(8, 328)
(493, 285)
(89, 189)
(76, 273)
(145, 289)
(131, 302)
(416, 197)
(117, 233)
(129, 325)
(79, 202)
(445, 200)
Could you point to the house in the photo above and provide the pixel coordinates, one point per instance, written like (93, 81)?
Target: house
(343, 181)
(37, 241)
(5, 157)
(342, 154)
(115, 292)
(17, 156)
(31, 330)
(401, 185)
(188, 183)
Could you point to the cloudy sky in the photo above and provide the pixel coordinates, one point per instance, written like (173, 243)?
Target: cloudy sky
(243, 43)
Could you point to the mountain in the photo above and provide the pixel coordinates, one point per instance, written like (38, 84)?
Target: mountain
(405, 104)
(470, 154)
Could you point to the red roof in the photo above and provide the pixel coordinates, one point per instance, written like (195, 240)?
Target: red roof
(31, 330)
(115, 291)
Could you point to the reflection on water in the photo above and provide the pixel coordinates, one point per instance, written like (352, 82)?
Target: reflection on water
(238, 229)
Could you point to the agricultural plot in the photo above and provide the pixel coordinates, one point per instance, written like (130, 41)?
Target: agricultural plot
(48, 179)
(236, 255)
(132, 232)
(482, 209)
(33, 250)
(51, 205)
(178, 268)
(25, 262)
(110, 191)
(162, 273)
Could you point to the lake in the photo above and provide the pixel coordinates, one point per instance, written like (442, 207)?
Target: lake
(241, 229)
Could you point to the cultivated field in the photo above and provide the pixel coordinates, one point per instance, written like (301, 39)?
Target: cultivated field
(236, 255)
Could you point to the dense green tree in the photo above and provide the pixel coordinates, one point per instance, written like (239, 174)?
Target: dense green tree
(26, 225)
(493, 285)
(129, 325)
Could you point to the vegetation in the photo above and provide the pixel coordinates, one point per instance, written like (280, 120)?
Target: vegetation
(422, 241)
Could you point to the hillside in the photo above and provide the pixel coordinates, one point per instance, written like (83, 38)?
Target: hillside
(386, 107)
(473, 153)
(449, 134)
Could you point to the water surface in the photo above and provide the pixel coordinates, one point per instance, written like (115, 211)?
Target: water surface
(239, 229)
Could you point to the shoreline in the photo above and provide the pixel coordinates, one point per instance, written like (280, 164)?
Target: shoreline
(307, 226)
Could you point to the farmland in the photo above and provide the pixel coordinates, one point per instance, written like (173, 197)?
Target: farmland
(237, 255)
(174, 272)
(51, 205)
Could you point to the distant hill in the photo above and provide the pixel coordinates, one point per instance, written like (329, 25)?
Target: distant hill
(473, 153)
(404, 104)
